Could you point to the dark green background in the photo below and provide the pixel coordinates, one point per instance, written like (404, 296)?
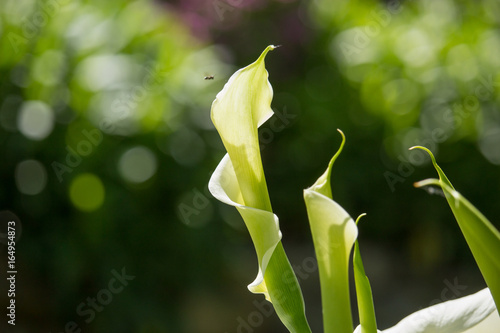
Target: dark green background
(387, 73)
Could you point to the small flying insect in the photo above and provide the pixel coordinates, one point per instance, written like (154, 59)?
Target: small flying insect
(209, 77)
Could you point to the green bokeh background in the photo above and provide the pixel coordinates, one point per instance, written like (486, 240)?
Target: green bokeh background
(121, 85)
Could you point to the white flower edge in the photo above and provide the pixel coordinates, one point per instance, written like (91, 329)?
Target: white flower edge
(262, 225)
(470, 314)
(238, 110)
(488, 325)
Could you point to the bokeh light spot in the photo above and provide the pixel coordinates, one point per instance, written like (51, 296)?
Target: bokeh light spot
(31, 177)
(36, 120)
(461, 63)
(104, 72)
(489, 145)
(415, 47)
(137, 164)
(401, 95)
(353, 47)
(86, 192)
(48, 68)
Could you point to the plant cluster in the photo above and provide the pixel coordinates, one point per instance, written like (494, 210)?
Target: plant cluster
(239, 109)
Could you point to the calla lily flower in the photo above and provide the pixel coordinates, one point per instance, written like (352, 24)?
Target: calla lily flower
(238, 110)
(334, 233)
(475, 313)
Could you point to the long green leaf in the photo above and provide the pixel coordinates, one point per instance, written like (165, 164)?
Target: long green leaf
(334, 233)
(366, 308)
(481, 236)
(238, 110)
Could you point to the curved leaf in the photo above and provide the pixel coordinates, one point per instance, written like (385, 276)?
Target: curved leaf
(481, 236)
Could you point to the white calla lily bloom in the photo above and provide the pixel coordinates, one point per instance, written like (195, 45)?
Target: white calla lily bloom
(475, 313)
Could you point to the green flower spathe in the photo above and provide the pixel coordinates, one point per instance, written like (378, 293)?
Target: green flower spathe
(238, 110)
(334, 233)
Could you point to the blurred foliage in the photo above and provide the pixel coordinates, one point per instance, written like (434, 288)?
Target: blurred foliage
(422, 66)
(107, 148)
(103, 105)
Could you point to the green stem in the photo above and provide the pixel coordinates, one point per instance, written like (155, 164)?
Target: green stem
(335, 296)
(285, 293)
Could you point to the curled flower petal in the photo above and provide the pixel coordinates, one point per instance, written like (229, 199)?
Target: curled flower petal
(453, 316)
(238, 110)
(262, 225)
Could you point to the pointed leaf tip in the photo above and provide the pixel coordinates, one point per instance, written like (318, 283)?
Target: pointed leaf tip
(442, 176)
(322, 185)
(264, 53)
(359, 217)
(428, 152)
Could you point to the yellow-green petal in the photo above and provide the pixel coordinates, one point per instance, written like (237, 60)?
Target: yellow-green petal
(334, 233)
(262, 225)
(239, 109)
